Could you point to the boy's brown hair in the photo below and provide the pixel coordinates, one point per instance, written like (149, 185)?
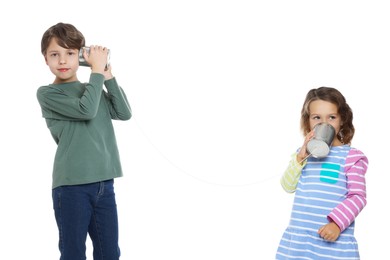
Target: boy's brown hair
(66, 35)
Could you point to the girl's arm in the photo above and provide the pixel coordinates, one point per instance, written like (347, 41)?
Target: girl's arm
(345, 213)
(298, 160)
(290, 178)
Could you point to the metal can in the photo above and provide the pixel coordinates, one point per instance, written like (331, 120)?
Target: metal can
(319, 146)
(83, 62)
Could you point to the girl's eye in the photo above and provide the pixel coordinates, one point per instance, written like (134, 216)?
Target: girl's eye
(316, 117)
(332, 117)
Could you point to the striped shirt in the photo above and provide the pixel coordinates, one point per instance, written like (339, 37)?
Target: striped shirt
(327, 189)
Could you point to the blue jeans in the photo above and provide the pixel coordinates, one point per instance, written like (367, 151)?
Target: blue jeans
(87, 209)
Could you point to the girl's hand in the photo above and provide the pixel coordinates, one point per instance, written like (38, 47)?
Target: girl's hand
(329, 232)
(303, 154)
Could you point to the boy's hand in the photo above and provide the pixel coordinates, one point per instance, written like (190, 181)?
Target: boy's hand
(97, 58)
(107, 73)
(329, 232)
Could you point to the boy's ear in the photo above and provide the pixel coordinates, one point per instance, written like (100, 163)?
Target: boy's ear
(46, 60)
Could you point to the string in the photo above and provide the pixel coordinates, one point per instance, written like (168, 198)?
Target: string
(307, 156)
(195, 177)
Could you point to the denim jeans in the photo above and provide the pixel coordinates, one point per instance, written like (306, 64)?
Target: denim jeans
(87, 209)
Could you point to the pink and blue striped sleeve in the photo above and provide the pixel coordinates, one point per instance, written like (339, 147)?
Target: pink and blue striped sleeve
(344, 214)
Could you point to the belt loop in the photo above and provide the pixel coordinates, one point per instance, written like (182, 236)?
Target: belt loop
(101, 188)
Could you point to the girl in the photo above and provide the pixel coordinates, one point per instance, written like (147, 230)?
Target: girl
(330, 191)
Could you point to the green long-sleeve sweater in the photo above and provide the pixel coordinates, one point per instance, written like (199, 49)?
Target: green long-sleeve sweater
(78, 116)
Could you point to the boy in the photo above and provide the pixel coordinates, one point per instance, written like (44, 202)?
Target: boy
(79, 117)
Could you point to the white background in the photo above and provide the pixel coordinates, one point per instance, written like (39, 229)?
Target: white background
(216, 88)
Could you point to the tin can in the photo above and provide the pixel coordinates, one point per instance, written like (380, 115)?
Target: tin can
(83, 62)
(319, 146)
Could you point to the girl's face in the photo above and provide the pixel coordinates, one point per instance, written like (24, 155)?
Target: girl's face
(324, 111)
(63, 63)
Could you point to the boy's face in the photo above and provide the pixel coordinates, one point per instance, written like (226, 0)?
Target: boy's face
(63, 63)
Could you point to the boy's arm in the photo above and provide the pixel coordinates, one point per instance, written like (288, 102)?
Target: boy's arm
(119, 106)
(290, 178)
(56, 104)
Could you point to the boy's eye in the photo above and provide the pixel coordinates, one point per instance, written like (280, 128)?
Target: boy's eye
(316, 117)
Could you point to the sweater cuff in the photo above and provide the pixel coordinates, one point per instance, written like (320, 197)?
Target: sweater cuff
(96, 79)
(338, 222)
(111, 83)
(295, 164)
